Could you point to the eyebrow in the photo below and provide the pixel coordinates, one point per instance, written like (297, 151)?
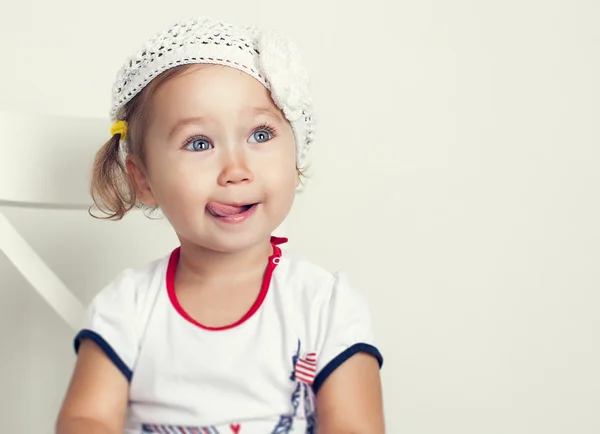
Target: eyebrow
(253, 111)
(185, 122)
(267, 111)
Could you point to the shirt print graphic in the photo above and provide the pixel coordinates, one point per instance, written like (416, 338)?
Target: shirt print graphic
(304, 368)
(174, 429)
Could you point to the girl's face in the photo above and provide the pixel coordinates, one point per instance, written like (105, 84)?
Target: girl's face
(215, 137)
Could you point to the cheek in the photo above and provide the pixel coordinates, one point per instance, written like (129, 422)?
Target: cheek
(282, 182)
(177, 181)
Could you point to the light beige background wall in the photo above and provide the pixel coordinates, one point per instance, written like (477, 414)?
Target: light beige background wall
(455, 178)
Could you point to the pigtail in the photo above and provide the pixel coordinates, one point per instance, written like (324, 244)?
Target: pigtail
(111, 187)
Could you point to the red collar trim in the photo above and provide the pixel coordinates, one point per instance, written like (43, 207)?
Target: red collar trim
(170, 281)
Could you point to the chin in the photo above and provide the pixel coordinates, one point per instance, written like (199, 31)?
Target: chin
(231, 243)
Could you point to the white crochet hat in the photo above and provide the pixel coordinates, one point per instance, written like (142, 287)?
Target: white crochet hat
(264, 54)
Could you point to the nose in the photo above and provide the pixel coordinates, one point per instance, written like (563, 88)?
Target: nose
(235, 169)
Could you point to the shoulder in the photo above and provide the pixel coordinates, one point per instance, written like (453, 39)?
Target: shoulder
(133, 285)
(314, 283)
(334, 311)
(114, 319)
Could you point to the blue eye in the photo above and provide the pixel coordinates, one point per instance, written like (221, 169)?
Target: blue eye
(198, 144)
(261, 136)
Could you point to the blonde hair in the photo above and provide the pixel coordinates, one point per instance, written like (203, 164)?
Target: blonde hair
(112, 188)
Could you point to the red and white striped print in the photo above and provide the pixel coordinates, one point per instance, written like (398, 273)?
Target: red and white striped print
(306, 368)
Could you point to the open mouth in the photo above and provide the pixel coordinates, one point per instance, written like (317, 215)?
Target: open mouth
(218, 209)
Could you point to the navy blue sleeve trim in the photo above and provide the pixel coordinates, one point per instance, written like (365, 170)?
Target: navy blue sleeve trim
(105, 346)
(341, 358)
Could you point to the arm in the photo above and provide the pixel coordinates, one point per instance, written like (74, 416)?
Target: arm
(350, 400)
(96, 401)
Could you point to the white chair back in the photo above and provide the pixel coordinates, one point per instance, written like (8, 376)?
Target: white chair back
(45, 162)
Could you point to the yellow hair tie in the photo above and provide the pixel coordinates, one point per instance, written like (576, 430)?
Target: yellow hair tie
(119, 127)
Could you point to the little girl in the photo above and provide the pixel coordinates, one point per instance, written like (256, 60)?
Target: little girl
(227, 333)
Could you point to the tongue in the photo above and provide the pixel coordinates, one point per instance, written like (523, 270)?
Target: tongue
(222, 210)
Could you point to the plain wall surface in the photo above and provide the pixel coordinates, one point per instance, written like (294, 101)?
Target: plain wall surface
(454, 178)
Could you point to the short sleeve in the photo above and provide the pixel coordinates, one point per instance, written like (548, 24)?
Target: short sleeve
(110, 322)
(346, 329)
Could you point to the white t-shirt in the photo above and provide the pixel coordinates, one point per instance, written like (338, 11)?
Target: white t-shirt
(259, 375)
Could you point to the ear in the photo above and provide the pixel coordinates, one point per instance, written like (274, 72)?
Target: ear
(141, 182)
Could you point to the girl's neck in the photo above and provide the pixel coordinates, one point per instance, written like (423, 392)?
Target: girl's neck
(201, 264)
